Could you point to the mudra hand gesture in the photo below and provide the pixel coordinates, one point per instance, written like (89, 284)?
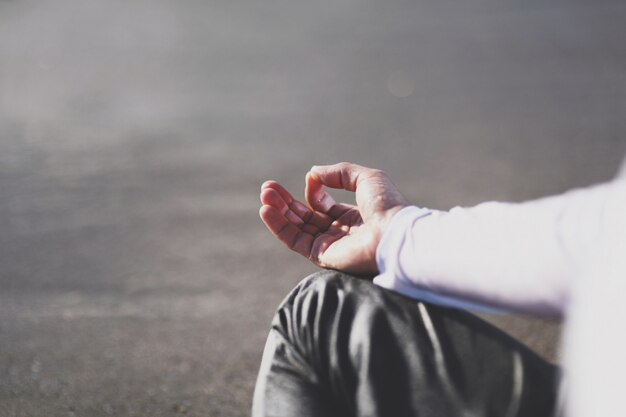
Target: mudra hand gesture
(330, 234)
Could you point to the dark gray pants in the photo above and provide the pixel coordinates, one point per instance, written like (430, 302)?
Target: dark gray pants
(341, 346)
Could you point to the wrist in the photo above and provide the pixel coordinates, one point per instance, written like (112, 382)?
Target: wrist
(383, 221)
(399, 224)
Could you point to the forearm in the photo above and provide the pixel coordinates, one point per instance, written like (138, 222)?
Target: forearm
(519, 256)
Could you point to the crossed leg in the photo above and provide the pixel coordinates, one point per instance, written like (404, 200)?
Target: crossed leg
(341, 346)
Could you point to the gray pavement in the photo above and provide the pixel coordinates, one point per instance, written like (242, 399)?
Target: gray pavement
(135, 276)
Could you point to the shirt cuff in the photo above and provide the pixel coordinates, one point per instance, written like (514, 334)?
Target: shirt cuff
(392, 241)
(392, 275)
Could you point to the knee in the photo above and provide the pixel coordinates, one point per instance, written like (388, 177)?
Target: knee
(314, 301)
(323, 299)
(319, 282)
(306, 296)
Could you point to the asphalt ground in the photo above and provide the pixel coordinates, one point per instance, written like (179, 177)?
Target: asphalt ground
(135, 276)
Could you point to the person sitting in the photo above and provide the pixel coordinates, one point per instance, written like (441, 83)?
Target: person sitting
(405, 344)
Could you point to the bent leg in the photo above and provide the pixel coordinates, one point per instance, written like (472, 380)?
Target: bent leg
(340, 346)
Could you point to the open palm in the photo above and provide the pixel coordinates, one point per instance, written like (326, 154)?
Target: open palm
(330, 234)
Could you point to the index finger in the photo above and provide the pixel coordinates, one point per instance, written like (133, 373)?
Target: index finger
(344, 175)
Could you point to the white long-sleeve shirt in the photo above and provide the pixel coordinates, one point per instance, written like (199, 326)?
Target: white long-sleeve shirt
(563, 255)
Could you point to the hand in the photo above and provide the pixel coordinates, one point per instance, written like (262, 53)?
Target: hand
(333, 235)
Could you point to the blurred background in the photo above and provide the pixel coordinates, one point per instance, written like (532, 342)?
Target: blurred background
(135, 276)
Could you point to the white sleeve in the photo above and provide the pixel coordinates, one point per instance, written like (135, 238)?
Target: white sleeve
(515, 256)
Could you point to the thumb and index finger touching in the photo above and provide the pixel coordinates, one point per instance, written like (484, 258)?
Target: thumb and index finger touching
(374, 191)
(342, 176)
(370, 185)
(336, 176)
